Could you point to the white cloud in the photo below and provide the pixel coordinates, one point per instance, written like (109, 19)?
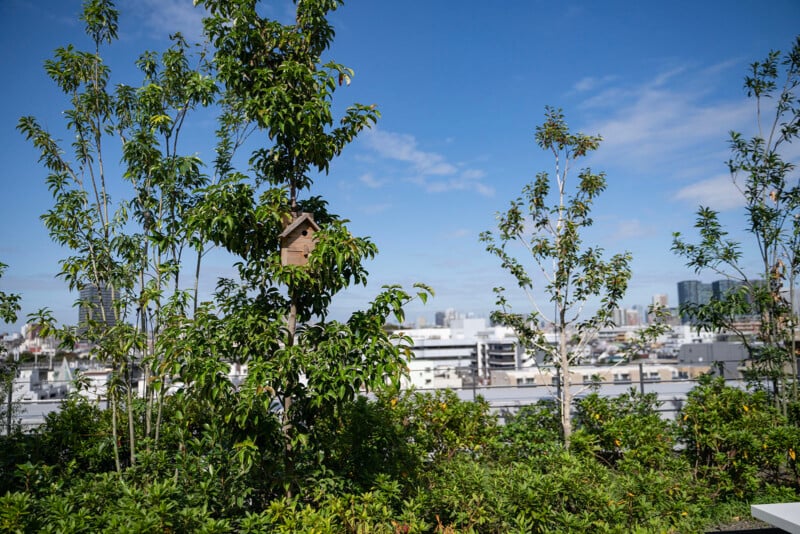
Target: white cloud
(473, 174)
(465, 181)
(403, 147)
(658, 125)
(591, 83)
(459, 234)
(165, 17)
(374, 209)
(484, 190)
(662, 127)
(430, 170)
(370, 181)
(665, 76)
(630, 229)
(718, 193)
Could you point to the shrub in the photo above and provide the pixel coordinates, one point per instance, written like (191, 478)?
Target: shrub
(363, 443)
(626, 427)
(736, 440)
(439, 425)
(78, 432)
(535, 430)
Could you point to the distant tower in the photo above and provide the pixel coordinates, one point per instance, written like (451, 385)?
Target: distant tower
(633, 317)
(618, 316)
(96, 304)
(721, 288)
(439, 318)
(450, 315)
(660, 301)
(693, 292)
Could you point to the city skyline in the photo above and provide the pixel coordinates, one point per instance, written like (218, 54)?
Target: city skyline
(460, 92)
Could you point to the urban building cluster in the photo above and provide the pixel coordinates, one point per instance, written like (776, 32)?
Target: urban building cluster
(695, 292)
(469, 352)
(458, 351)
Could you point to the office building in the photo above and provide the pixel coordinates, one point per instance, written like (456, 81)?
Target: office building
(96, 304)
(693, 292)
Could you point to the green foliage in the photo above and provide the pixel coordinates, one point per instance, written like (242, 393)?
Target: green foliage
(103, 503)
(771, 196)
(560, 492)
(302, 368)
(9, 308)
(441, 426)
(317, 437)
(8, 408)
(547, 223)
(272, 318)
(421, 462)
(626, 428)
(365, 441)
(401, 436)
(737, 441)
(9, 302)
(274, 76)
(535, 430)
(15, 509)
(133, 245)
(77, 435)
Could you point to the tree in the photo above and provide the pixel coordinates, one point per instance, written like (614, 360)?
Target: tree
(273, 92)
(771, 195)
(301, 366)
(9, 308)
(128, 249)
(547, 224)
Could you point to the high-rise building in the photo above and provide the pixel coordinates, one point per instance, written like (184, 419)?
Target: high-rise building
(660, 301)
(97, 304)
(618, 316)
(698, 293)
(633, 317)
(450, 315)
(721, 287)
(693, 292)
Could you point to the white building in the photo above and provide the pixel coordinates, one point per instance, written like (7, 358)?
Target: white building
(463, 353)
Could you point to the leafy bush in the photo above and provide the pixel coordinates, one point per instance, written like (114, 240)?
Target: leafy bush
(535, 430)
(365, 442)
(627, 427)
(78, 432)
(736, 440)
(439, 425)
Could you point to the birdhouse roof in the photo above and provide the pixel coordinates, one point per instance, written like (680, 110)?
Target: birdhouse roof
(302, 220)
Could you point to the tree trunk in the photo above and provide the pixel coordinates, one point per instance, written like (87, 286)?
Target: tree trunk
(111, 396)
(291, 327)
(131, 422)
(566, 391)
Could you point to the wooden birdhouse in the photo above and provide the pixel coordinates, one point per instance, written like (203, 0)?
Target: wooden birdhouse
(297, 239)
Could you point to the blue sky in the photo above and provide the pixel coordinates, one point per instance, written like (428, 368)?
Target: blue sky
(461, 87)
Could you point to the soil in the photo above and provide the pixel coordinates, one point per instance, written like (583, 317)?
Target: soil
(746, 525)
